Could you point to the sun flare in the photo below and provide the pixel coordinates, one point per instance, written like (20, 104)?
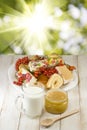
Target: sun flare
(34, 25)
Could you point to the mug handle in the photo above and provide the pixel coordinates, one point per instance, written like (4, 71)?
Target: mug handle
(19, 104)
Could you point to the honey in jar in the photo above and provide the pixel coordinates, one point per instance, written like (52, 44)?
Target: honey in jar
(56, 101)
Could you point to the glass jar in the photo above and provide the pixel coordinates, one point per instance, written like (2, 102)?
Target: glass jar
(56, 101)
(32, 100)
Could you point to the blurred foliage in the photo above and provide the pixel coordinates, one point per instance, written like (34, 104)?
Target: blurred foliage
(70, 37)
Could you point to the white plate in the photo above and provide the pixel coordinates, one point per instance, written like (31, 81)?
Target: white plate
(11, 76)
(66, 87)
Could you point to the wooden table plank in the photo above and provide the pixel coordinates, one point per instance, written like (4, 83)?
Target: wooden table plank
(82, 63)
(4, 65)
(27, 123)
(73, 94)
(9, 118)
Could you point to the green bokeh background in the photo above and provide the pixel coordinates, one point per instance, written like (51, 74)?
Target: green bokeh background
(76, 43)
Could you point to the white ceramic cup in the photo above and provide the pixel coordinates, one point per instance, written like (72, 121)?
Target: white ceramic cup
(32, 101)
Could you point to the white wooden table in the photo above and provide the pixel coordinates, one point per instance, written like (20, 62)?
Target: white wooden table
(12, 119)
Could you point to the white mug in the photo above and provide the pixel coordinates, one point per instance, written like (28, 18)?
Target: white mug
(32, 101)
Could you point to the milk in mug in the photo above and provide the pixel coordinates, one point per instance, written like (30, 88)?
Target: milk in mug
(33, 101)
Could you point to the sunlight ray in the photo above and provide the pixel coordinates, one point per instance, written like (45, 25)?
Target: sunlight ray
(33, 24)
